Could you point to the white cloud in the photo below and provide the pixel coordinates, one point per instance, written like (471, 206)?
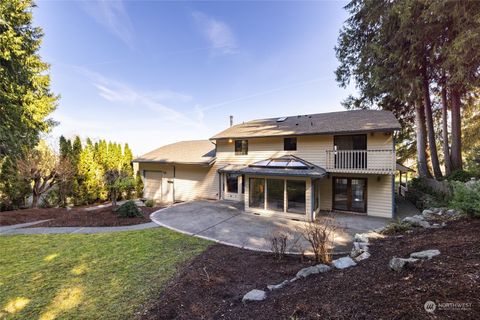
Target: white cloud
(218, 33)
(117, 91)
(113, 16)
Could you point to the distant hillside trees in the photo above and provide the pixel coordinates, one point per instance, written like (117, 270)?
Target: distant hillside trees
(420, 60)
(25, 97)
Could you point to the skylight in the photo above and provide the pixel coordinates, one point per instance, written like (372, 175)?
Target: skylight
(285, 162)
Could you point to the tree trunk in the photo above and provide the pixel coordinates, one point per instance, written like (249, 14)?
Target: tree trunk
(35, 199)
(431, 130)
(446, 149)
(421, 140)
(456, 152)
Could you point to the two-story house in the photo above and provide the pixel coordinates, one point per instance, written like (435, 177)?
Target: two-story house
(289, 166)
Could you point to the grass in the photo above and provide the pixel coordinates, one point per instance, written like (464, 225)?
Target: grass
(79, 276)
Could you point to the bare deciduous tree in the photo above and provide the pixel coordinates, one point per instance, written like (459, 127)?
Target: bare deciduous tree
(321, 235)
(43, 169)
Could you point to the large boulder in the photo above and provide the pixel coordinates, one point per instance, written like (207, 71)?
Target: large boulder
(343, 263)
(397, 264)
(426, 254)
(319, 268)
(254, 295)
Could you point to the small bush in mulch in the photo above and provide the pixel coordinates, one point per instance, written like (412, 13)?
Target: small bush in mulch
(149, 203)
(128, 210)
(396, 227)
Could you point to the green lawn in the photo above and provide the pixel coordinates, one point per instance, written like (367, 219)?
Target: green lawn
(99, 276)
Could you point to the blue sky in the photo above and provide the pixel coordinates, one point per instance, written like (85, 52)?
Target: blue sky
(154, 72)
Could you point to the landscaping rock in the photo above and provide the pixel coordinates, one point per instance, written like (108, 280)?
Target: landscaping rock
(427, 212)
(426, 254)
(360, 237)
(364, 237)
(360, 246)
(363, 256)
(343, 263)
(451, 213)
(416, 221)
(356, 252)
(319, 268)
(254, 295)
(358, 249)
(397, 264)
(272, 287)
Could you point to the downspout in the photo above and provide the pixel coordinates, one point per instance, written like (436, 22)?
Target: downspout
(219, 186)
(173, 182)
(312, 200)
(394, 207)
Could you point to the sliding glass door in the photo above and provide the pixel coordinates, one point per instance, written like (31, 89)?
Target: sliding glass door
(350, 194)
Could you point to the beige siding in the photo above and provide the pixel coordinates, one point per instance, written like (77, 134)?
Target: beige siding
(379, 194)
(190, 182)
(153, 185)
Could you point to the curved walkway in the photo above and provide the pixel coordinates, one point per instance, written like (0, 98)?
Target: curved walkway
(22, 229)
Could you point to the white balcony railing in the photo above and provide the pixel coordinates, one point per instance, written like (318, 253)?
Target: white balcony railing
(361, 161)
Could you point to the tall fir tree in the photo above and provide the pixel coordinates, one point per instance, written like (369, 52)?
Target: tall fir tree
(26, 100)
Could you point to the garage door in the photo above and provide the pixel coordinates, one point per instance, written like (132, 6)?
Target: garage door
(153, 185)
(190, 183)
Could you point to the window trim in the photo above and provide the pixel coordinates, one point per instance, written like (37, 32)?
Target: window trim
(290, 140)
(242, 151)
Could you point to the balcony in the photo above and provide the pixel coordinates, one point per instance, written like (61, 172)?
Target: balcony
(361, 161)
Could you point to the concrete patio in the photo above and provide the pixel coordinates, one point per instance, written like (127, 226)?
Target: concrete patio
(226, 222)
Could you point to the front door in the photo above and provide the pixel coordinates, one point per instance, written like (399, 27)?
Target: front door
(350, 194)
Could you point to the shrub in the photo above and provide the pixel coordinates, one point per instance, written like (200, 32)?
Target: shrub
(138, 185)
(396, 227)
(320, 235)
(460, 175)
(278, 242)
(150, 203)
(466, 198)
(424, 196)
(128, 210)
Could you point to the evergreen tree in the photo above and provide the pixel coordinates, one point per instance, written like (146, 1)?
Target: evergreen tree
(25, 97)
(127, 159)
(400, 50)
(90, 175)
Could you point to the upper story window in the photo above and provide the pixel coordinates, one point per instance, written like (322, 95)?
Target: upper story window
(241, 147)
(290, 144)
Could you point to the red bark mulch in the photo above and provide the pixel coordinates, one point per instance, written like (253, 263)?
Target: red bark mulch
(77, 217)
(212, 286)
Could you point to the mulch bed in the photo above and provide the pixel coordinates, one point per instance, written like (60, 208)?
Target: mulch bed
(77, 217)
(212, 286)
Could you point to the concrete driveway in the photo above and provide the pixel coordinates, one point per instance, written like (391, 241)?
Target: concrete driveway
(226, 222)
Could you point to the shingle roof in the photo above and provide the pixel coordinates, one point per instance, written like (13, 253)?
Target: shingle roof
(321, 123)
(183, 152)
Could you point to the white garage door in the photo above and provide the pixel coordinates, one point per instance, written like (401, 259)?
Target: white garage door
(153, 185)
